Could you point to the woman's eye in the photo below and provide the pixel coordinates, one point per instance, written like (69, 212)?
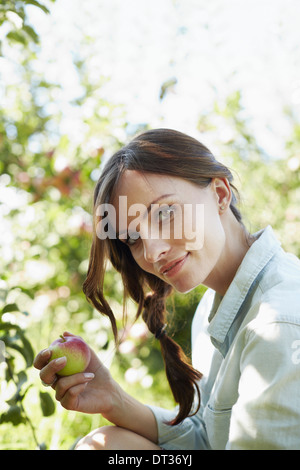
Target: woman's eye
(165, 213)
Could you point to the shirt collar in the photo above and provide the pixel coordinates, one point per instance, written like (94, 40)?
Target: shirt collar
(224, 310)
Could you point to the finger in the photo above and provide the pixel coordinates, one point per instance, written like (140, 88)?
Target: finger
(67, 383)
(70, 400)
(42, 359)
(48, 373)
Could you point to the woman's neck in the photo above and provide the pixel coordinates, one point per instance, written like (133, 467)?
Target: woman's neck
(237, 243)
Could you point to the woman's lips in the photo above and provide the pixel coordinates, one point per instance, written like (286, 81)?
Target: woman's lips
(173, 267)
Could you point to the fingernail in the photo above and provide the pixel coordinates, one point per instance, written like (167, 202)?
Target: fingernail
(89, 375)
(60, 360)
(45, 352)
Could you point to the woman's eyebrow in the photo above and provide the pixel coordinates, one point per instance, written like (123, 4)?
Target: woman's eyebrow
(158, 199)
(162, 196)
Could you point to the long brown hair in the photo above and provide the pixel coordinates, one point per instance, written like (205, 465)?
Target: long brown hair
(161, 151)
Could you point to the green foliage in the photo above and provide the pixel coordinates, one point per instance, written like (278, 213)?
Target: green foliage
(13, 16)
(268, 187)
(17, 356)
(46, 188)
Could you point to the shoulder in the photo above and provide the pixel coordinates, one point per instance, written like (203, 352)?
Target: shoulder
(271, 329)
(280, 289)
(283, 269)
(275, 315)
(274, 311)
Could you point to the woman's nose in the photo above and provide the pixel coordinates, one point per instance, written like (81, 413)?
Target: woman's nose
(154, 250)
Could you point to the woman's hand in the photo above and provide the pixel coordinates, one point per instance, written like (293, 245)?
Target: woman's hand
(91, 391)
(95, 391)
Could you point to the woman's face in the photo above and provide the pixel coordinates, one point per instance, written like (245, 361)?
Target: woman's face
(172, 227)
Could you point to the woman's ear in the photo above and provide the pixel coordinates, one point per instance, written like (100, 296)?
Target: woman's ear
(222, 190)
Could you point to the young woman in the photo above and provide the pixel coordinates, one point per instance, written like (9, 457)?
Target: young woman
(165, 216)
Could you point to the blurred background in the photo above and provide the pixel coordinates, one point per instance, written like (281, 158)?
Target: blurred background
(77, 81)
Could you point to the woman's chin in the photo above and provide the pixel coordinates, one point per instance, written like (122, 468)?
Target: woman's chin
(185, 287)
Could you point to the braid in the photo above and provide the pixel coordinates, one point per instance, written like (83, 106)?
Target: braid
(181, 376)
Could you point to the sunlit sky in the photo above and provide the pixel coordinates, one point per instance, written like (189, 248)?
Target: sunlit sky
(212, 48)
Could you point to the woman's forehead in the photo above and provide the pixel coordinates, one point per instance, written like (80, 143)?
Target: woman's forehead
(137, 192)
(137, 186)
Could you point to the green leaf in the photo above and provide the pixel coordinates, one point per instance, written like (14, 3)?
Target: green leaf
(37, 4)
(13, 415)
(25, 351)
(28, 351)
(47, 404)
(31, 32)
(6, 326)
(17, 37)
(10, 308)
(13, 342)
(18, 397)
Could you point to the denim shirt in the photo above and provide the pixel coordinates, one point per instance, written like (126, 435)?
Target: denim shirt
(247, 345)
